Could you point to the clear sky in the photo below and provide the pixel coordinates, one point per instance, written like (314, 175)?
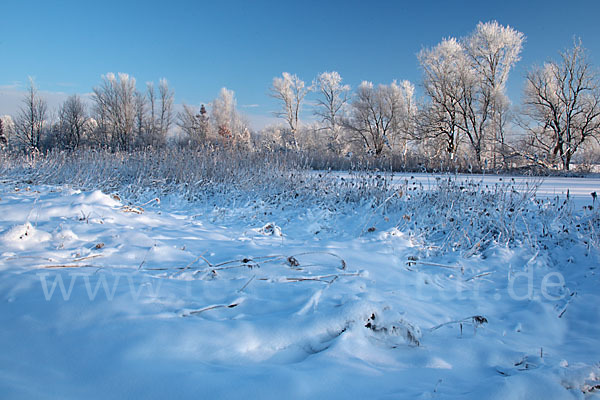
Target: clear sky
(201, 46)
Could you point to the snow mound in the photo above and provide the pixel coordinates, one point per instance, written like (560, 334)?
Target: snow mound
(23, 237)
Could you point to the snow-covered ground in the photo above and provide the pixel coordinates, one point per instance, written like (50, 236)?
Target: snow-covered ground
(101, 299)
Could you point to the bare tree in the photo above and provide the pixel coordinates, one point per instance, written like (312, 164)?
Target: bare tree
(562, 101)
(333, 97)
(151, 123)
(115, 107)
(165, 119)
(141, 120)
(290, 91)
(29, 124)
(72, 122)
(380, 116)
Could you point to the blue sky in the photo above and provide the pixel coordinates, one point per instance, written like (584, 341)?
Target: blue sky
(201, 46)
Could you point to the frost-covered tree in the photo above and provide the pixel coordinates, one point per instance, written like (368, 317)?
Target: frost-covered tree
(464, 81)
(562, 101)
(222, 111)
(333, 96)
(290, 91)
(8, 128)
(72, 122)
(115, 108)
(275, 138)
(494, 50)
(29, 123)
(380, 116)
(442, 84)
(229, 125)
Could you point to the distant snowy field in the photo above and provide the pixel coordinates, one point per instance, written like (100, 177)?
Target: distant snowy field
(103, 299)
(579, 189)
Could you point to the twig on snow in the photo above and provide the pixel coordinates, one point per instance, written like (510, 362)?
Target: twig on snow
(68, 266)
(476, 320)
(247, 283)
(196, 312)
(87, 257)
(564, 310)
(479, 276)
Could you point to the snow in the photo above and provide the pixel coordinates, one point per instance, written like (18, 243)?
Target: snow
(186, 300)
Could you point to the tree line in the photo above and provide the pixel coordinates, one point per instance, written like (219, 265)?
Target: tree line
(463, 120)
